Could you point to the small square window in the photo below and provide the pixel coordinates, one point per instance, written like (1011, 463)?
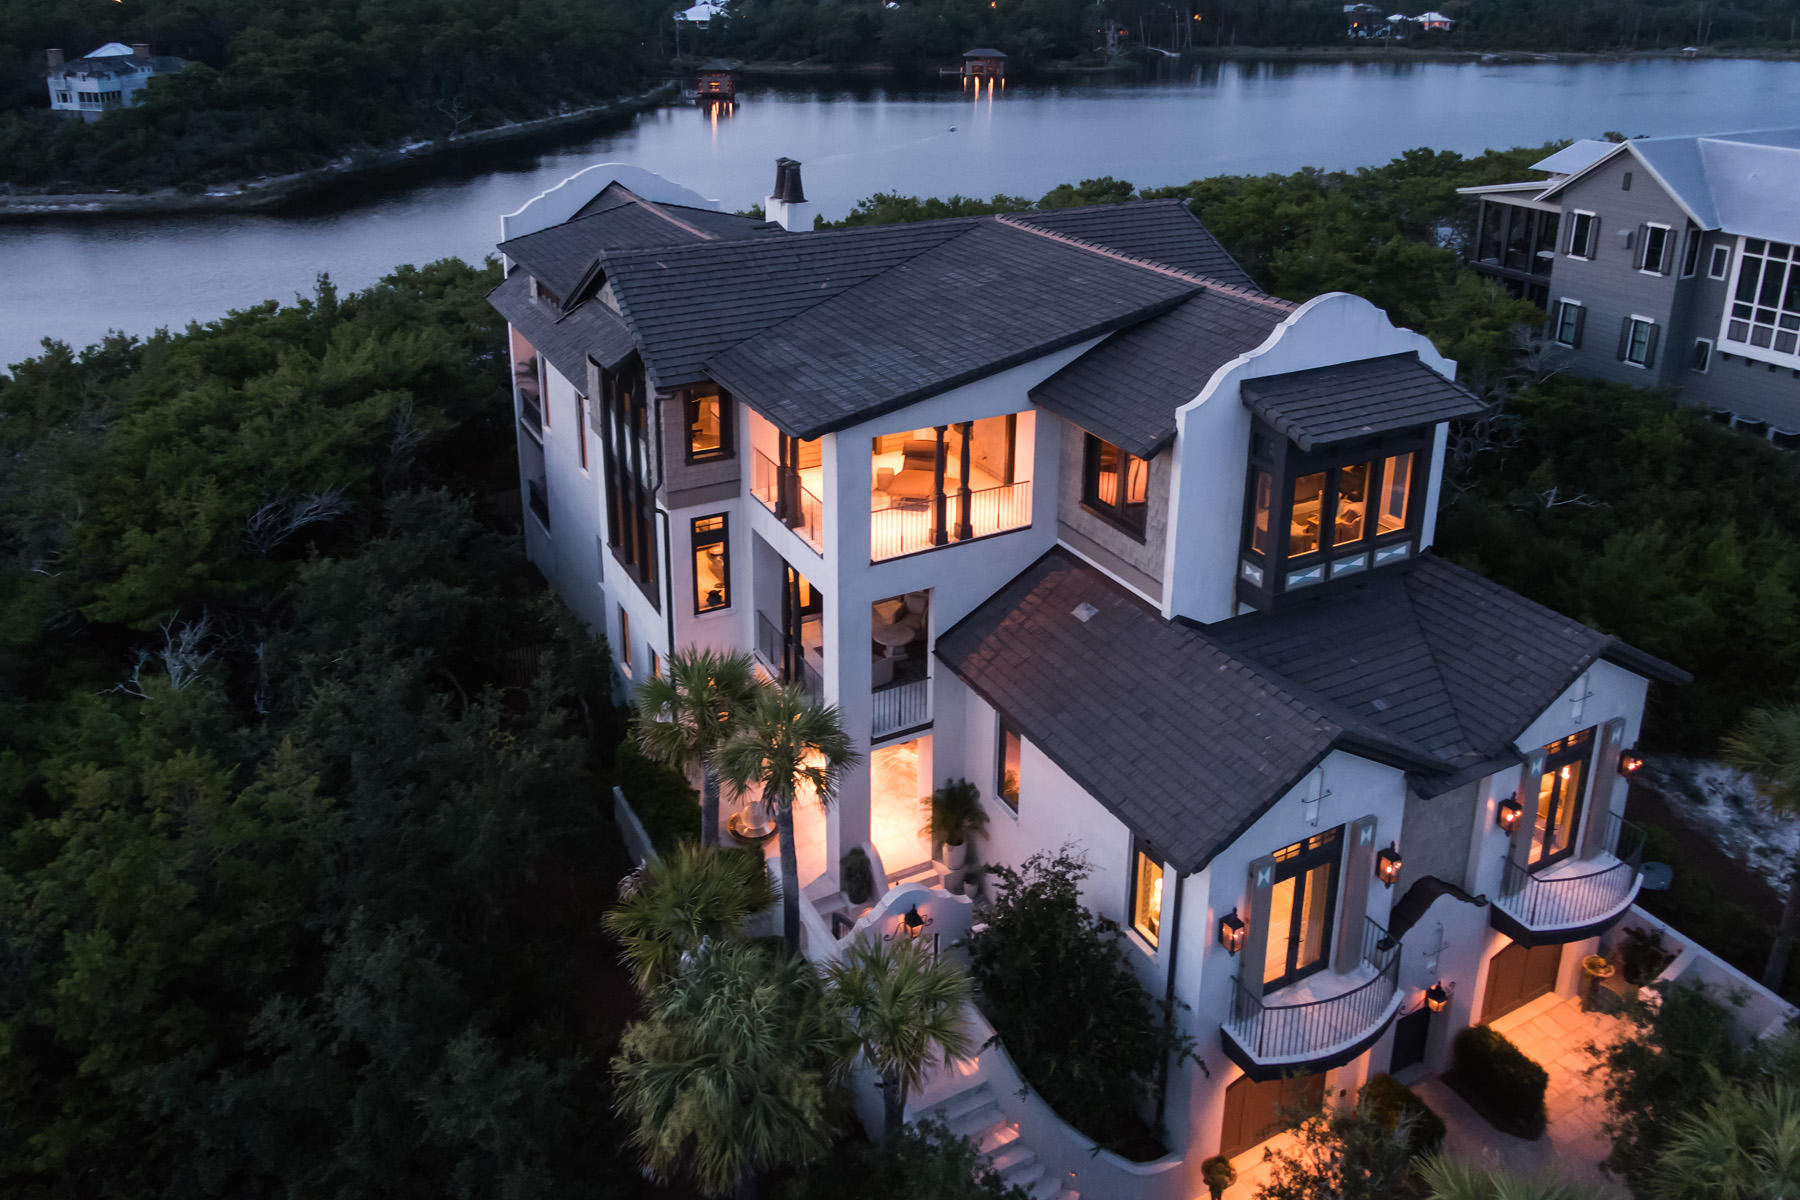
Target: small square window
(708, 426)
(1702, 356)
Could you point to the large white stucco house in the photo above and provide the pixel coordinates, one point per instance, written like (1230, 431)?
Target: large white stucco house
(1061, 503)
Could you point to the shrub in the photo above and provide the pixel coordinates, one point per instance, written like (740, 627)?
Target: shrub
(661, 798)
(1500, 1076)
(1218, 1174)
(857, 875)
(1389, 1100)
(1642, 956)
(924, 1161)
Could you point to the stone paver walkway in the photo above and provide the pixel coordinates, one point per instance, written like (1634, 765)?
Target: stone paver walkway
(1554, 1032)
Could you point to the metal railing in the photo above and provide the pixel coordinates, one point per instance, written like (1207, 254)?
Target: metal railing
(765, 485)
(1295, 1031)
(907, 529)
(771, 647)
(529, 413)
(1564, 901)
(539, 500)
(901, 706)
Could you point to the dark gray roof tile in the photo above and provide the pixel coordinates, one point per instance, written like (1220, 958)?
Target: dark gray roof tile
(565, 339)
(1162, 231)
(1357, 399)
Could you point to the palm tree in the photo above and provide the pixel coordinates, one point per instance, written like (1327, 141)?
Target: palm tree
(1743, 1146)
(729, 1072)
(668, 907)
(684, 716)
(789, 743)
(1447, 1179)
(905, 1010)
(1767, 745)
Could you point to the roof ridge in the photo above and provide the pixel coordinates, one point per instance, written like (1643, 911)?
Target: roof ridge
(1206, 281)
(796, 241)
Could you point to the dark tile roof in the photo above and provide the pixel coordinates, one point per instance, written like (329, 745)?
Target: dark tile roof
(688, 304)
(111, 66)
(561, 255)
(565, 339)
(1185, 744)
(992, 297)
(1162, 231)
(1357, 399)
(1127, 388)
(1433, 655)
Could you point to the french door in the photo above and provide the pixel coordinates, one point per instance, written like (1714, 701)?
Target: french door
(1302, 902)
(1561, 788)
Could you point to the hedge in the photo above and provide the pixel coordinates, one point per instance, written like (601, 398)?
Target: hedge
(661, 798)
(1389, 1100)
(1507, 1083)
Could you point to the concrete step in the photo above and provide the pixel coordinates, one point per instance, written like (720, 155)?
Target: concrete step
(995, 1138)
(962, 1102)
(1014, 1155)
(976, 1122)
(1025, 1175)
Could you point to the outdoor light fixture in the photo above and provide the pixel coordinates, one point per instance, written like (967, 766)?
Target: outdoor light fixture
(911, 926)
(1508, 814)
(1387, 865)
(1437, 997)
(1629, 762)
(1231, 932)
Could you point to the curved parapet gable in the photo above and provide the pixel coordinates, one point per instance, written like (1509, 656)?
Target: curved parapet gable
(555, 205)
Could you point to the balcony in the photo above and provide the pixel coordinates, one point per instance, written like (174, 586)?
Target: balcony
(899, 666)
(1323, 1021)
(1575, 898)
(899, 707)
(803, 511)
(908, 526)
(803, 668)
(948, 483)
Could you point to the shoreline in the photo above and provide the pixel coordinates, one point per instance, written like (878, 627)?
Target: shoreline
(255, 195)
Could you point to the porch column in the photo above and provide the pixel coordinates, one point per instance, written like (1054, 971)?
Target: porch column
(965, 528)
(791, 511)
(939, 534)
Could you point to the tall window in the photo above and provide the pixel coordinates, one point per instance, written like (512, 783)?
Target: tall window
(1765, 305)
(1582, 231)
(1653, 256)
(1571, 315)
(630, 507)
(624, 647)
(712, 564)
(1262, 488)
(708, 426)
(1006, 766)
(1719, 265)
(1146, 893)
(1637, 341)
(1560, 789)
(1690, 260)
(1302, 901)
(1116, 485)
(581, 428)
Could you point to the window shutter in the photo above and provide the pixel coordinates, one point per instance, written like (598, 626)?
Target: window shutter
(1519, 848)
(1599, 798)
(1593, 247)
(1359, 869)
(1580, 321)
(1624, 338)
(1650, 347)
(1256, 925)
(1643, 246)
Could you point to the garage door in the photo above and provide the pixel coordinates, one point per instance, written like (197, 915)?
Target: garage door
(1255, 1110)
(1519, 974)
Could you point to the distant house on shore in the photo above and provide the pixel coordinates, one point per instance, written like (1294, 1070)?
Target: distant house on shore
(701, 14)
(984, 62)
(1435, 20)
(108, 78)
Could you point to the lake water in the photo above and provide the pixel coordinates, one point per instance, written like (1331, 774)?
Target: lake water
(76, 280)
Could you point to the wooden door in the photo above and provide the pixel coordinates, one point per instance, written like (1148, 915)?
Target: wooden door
(1410, 1033)
(1519, 974)
(1254, 1110)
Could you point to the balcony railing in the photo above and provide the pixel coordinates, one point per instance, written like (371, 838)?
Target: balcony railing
(1295, 1032)
(901, 706)
(1572, 895)
(771, 648)
(765, 485)
(908, 528)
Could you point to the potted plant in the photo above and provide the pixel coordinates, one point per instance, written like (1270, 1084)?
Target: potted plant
(955, 816)
(1218, 1174)
(857, 876)
(1594, 968)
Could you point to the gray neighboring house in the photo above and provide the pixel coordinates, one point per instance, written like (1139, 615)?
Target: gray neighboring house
(109, 78)
(1670, 262)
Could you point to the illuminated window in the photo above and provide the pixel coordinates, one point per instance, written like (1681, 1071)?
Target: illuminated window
(1006, 769)
(1116, 485)
(708, 426)
(712, 564)
(1352, 505)
(1765, 303)
(1263, 487)
(1302, 903)
(1561, 787)
(1309, 508)
(1396, 492)
(1146, 894)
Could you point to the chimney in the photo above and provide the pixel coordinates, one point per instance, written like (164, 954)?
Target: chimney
(56, 60)
(786, 205)
(140, 49)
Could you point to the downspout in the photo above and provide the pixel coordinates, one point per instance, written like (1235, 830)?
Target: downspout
(668, 571)
(1162, 1088)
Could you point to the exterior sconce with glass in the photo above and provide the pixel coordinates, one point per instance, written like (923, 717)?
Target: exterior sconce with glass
(1508, 813)
(1387, 865)
(1629, 762)
(1231, 932)
(911, 926)
(1437, 997)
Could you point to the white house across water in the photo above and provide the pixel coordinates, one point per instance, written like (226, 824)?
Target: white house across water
(1060, 502)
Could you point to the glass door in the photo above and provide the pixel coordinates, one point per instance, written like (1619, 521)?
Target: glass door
(1302, 901)
(1560, 791)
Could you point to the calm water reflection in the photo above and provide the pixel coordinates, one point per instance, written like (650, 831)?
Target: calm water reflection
(74, 281)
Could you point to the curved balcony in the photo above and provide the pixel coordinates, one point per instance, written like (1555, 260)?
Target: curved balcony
(1323, 1021)
(1578, 897)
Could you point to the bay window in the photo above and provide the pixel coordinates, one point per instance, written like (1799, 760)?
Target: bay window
(708, 419)
(1764, 311)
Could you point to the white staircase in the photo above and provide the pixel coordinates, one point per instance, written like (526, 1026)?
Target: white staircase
(973, 1112)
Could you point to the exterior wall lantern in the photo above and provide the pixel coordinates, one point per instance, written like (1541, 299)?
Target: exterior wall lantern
(911, 926)
(1508, 813)
(1231, 932)
(1437, 997)
(1629, 762)
(1387, 865)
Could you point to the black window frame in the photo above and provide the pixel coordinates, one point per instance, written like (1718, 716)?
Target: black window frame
(630, 500)
(1141, 849)
(1119, 516)
(1004, 729)
(1301, 857)
(690, 407)
(1577, 748)
(721, 538)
